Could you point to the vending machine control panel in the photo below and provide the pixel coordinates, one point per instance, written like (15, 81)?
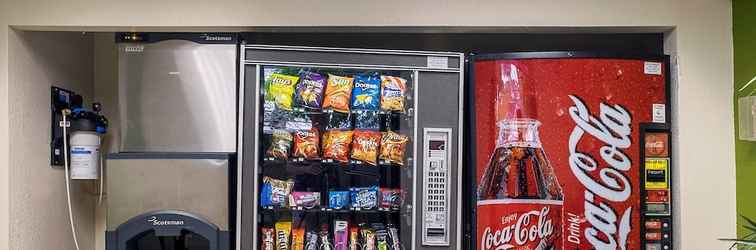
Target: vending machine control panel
(436, 188)
(657, 200)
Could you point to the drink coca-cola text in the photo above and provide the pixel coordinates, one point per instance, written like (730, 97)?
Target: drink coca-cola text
(607, 230)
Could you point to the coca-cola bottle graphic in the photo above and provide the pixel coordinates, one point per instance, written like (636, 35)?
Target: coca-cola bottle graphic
(519, 197)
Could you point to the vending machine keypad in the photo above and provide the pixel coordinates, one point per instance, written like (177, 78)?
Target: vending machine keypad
(436, 186)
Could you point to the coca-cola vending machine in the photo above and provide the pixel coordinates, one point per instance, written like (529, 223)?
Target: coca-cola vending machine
(569, 150)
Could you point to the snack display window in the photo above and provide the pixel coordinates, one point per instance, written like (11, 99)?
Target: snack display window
(348, 148)
(336, 155)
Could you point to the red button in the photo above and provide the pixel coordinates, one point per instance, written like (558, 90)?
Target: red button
(653, 236)
(653, 224)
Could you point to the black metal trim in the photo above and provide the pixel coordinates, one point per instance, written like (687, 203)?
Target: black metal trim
(197, 37)
(570, 54)
(469, 152)
(171, 155)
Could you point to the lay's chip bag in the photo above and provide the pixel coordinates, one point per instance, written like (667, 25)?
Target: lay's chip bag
(366, 93)
(392, 93)
(280, 90)
(338, 93)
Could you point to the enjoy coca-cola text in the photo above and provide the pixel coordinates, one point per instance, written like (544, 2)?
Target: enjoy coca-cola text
(524, 231)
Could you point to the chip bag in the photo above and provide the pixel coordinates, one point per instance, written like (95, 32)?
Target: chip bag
(311, 240)
(338, 93)
(392, 93)
(306, 143)
(365, 146)
(392, 147)
(297, 238)
(368, 120)
(268, 241)
(309, 92)
(354, 243)
(275, 192)
(368, 238)
(283, 235)
(280, 89)
(364, 197)
(280, 145)
(366, 92)
(340, 235)
(336, 145)
(338, 199)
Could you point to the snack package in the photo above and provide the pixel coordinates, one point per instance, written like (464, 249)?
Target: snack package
(381, 236)
(280, 89)
(297, 239)
(392, 93)
(365, 146)
(283, 235)
(309, 92)
(268, 240)
(311, 241)
(308, 200)
(391, 199)
(297, 121)
(368, 238)
(339, 121)
(367, 120)
(336, 145)
(275, 192)
(338, 93)
(338, 199)
(340, 235)
(280, 145)
(306, 144)
(392, 147)
(273, 118)
(364, 197)
(354, 239)
(325, 244)
(366, 92)
(393, 235)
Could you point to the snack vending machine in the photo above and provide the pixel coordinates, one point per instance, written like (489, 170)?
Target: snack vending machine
(349, 149)
(569, 151)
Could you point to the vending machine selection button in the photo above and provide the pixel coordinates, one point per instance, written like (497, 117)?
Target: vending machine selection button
(661, 195)
(653, 224)
(653, 246)
(653, 236)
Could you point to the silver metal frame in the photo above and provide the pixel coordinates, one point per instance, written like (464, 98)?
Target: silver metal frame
(461, 143)
(415, 70)
(415, 81)
(447, 178)
(239, 148)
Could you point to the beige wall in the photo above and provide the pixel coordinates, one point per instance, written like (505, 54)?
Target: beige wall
(39, 216)
(701, 43)
(106, 92)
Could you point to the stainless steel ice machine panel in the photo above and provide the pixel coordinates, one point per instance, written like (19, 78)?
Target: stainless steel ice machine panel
(178, 95)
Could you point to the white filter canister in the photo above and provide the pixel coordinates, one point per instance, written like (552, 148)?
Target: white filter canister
(85, 155)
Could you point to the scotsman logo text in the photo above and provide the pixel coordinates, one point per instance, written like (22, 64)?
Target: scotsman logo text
(157, 222)
(612, 185)
(217, 38)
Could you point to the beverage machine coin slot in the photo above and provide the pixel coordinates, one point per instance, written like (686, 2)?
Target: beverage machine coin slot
(436, 186)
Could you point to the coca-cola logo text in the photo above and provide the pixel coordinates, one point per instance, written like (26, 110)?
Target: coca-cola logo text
(612, 127)
(529, 227)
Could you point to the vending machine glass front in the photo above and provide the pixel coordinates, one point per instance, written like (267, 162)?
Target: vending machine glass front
(336, 156)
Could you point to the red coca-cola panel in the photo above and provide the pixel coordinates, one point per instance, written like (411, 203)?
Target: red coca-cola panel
(590, 110)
